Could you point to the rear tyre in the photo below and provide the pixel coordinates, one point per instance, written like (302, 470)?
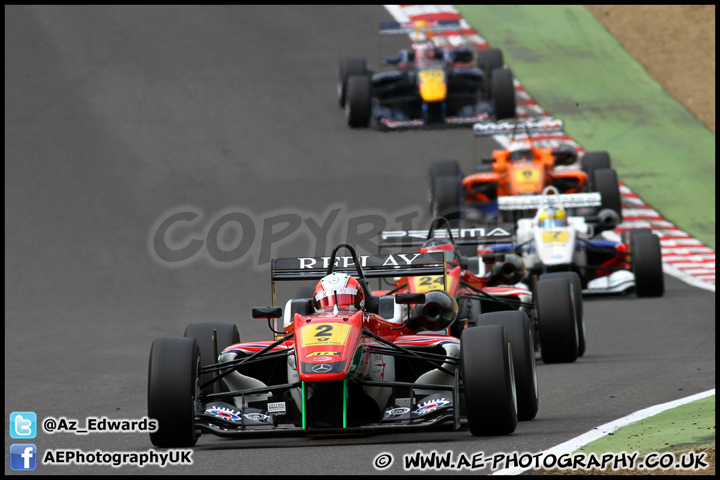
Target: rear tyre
(605, 182)
(490, 59)
(627, 235)
(646, 261)
(227, 334)
(488, 381)
(357, 104)
(503, 93)
(556, 319)
(349, 66)
(444, 168)
(592, 161)
(574, 280)
(441, 168)
(173, 391)
(519, 332)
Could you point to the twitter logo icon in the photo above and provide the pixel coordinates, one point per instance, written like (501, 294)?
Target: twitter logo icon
(23, 425)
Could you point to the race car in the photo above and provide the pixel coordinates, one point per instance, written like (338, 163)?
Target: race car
(555, 241)
(430, 85)
(521, 169)
(345, 361)
(488, 287)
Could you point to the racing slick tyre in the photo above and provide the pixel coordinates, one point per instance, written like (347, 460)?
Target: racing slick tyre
(349, 66)
(173, 390)
(227, 334)
(488, 380)
(490, 59)
(519, 332)
(444, 168)
(605, 182)
(556, 319)
(627, 235)
(357, 104)
(503, 93)
(574, 280)
(646, 261)
(592, 161)
(446, 198)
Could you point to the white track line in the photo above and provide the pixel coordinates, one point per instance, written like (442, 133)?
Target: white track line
(598, 432)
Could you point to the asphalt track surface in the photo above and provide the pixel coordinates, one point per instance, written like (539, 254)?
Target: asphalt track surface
(115, 116)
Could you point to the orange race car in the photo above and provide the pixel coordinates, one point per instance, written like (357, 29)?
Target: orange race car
(524, 168)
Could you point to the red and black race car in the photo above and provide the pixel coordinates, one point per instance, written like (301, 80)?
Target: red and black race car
(488, 288)
(344, 361)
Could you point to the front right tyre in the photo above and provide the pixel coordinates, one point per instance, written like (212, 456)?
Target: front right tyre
(488, 380)
(556, 319)
(358, 107)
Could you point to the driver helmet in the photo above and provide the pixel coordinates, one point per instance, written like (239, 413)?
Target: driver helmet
(338, 289)
(521, 150)
(439, 245)
(424, 50)
(552, 217)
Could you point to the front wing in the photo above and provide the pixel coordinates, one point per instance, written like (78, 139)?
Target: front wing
(216, 413)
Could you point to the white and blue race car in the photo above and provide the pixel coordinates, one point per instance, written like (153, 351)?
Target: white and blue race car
(607, 263)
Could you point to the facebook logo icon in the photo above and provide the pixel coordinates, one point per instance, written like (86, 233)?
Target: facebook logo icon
(23, 456)
(23, 425)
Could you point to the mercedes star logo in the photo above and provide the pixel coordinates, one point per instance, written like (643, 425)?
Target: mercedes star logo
(321, 368)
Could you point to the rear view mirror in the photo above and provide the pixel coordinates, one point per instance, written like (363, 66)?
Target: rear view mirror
(267, 312)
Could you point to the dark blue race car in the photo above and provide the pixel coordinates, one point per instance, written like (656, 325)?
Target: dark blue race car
(430, 85)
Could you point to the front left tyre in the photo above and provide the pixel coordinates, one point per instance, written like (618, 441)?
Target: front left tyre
(173, 390)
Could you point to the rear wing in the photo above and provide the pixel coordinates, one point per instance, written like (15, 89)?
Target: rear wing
(461, 236)
(373, 266)
(565, 200)
(506, 128)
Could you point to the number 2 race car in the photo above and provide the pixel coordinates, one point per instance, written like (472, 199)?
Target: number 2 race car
(553, 241)
(431, 85)
(521, 169)
(345, 361)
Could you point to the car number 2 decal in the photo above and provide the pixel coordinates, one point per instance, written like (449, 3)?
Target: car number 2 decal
(325, 334)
